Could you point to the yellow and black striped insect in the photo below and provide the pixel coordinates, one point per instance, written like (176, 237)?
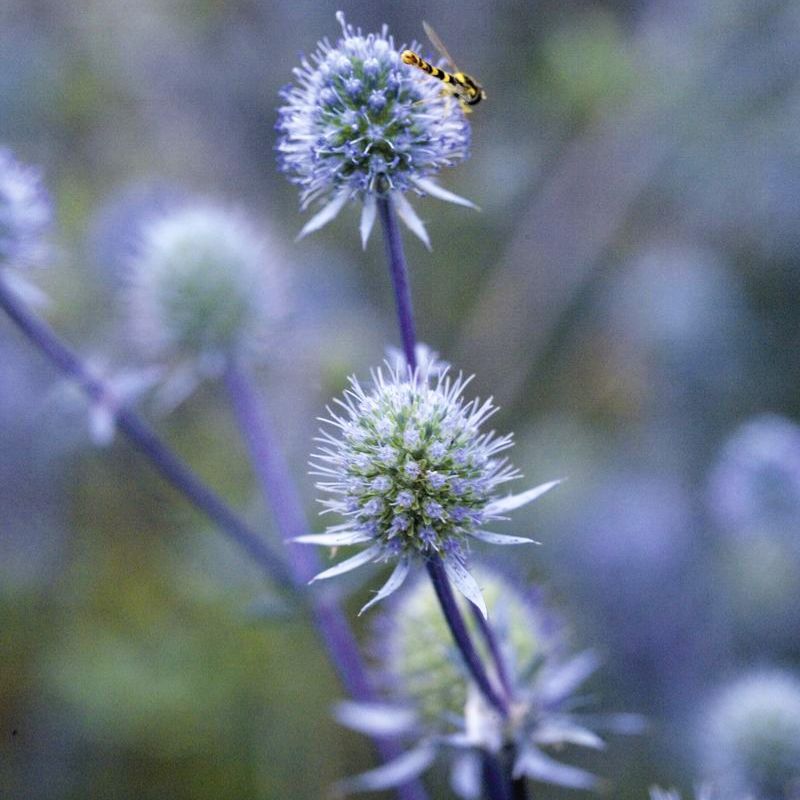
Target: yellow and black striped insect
(468, 91)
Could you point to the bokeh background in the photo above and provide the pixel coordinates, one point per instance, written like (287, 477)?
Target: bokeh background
(628, 294)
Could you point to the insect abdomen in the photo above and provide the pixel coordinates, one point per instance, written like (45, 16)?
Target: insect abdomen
(410, 57)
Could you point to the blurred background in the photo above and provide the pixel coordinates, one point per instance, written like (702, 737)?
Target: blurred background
(628, 294)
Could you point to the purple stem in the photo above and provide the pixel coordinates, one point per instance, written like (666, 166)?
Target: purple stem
(461, 635)
(144, 439)
(494, 780)
(405, 314)
(281, 496)
(399, 272)
(494, 649)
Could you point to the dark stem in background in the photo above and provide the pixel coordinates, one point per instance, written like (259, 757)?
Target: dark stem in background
(144, 439)
(461, 635)
(399, 272)
(519, 789)
(283, 500)
(494, 649)
(494, 780)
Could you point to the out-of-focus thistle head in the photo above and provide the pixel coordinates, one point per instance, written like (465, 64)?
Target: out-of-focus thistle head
(430, 700)
(360, 124)
(410, 471)
(750, 736)
(203, 288)
(703, 792)
(25, 216)
(755, 486)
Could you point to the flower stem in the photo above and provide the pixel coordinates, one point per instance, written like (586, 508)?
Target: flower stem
(494, 649)
(461, 635)
(281, 496)
(494, 781)
(399, 272)
(144, 439)
(405, 314)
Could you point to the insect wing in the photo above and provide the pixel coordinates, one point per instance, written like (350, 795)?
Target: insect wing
(438, 45)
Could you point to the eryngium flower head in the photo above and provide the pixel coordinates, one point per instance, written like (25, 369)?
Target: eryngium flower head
(413, 475)
(755, 486)
(429, 701)
(25, 213)
(359, 123)
(202, 287)
(751, 736)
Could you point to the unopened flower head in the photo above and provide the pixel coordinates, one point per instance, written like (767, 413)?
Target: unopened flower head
(755, 487)
(429, 700)
(25, 213)
(750, 737)
(358, 123)
(408, 468)
(203, 286)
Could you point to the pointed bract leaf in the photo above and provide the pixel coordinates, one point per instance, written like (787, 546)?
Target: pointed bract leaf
(368, 213)
(348, 564)
(395, 581)
(433, 189)
(394, 773)
(406, 213)
(465, 776)
(556, 732)
(326, 215)
(465, 583)
(562, 681)
(339, 539)
(375, 719)
(513, 501)
(535, 764)
(500, 538)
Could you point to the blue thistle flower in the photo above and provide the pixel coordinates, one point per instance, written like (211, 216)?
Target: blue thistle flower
(358, 124)
(430, 701)
(412, 516)
(755, 486)
(750, 736)
(25, 213)
(203, 290)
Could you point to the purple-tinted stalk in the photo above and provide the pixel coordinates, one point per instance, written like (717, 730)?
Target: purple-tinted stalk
(494, 781)
(399, 272)
(494, 650)
(282, 498)
(144, 439)
(461, 635)
(405, 314)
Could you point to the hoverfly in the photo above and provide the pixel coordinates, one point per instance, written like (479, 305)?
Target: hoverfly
(468, 91)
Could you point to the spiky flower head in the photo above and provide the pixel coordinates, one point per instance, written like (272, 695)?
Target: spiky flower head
(413, 476)
(755, 486)
(360, 124)
(203, 288)
(751, 736)
(25, 213)
(430, 701)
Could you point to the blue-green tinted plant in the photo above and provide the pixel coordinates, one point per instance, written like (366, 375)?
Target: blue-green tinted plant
(413, 475)
(204, 288)
(359, 124)
(750, 735)
(431, 701)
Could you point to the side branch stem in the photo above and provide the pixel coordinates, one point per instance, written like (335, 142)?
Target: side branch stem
(283, 500)
(144, 439)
